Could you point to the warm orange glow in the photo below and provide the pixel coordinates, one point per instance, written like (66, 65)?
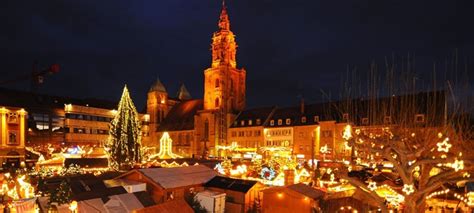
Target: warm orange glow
(347, 134)
(73, 206)
(67, 107)
(166, 150)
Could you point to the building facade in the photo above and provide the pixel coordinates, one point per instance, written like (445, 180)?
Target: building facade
(200, 126)
(53, 122)
(220, 125)
(12, 135)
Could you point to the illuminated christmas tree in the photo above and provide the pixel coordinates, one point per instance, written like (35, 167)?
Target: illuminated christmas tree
(62, 194)
(124, 142)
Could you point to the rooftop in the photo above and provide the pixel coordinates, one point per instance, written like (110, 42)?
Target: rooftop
(179, 176)
(181, 116)
(231, 184)
(168, 207)
(306, 190)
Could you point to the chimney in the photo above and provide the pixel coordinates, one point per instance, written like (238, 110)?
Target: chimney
(302, 106)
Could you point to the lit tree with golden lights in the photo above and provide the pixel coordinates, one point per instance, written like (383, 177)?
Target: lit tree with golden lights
(415, 133)
(124, 143)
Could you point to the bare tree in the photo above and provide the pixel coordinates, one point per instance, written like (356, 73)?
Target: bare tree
(422, 133)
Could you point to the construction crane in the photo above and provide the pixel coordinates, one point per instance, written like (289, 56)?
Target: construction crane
(36, 76)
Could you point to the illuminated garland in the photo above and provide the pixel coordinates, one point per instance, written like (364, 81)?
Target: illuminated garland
(267, 173)
(166, 148)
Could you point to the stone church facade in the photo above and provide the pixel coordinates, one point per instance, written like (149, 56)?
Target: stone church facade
(221, 125)
(198, 126)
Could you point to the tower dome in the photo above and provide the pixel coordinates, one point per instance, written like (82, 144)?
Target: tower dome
(183, 93)
(157, 86)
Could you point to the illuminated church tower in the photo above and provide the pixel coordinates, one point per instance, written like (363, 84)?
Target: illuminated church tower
(199, 126)
(223, 81)
(224, 88)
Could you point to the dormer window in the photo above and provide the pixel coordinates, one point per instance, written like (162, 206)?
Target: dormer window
(272, 122)
(365, 121)
(316, 118)
(345, 116)
(303, 119)
(242, 123)
(12, 118)
(250, 122)
(259, 121)
(387, 120)
(280, 122)
(419, 118)
(288, 121)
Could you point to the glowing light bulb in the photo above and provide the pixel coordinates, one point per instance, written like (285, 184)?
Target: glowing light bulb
(408, 188)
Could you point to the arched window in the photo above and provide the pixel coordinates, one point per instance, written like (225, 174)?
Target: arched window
(217, 103)
(206, 130)
(159, 116)
(217, 83)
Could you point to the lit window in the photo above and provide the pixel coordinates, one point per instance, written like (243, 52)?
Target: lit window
(12, 137)
(242, 123)
(259, 121)
(250, 122)
(280, 122)
(387, 120)
(288, 121)
(206, 130)
(303, 119)
(12, 118)
(272, 122)
(365, 121)
(316, 118)
(79, 130)
(327, 133)
(419, 118)
(42, 121)
(345, 116)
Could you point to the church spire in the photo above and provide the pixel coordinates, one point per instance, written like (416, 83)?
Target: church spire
(183, 93)
(224, 47)
(224, 23)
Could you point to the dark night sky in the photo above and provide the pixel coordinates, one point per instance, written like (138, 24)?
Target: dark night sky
(287, 47)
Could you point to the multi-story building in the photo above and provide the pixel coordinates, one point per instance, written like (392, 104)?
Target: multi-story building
(12, 135)
(85, 125)
(54, 121)
(317, 129)
(247, 132)
(220, 125)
